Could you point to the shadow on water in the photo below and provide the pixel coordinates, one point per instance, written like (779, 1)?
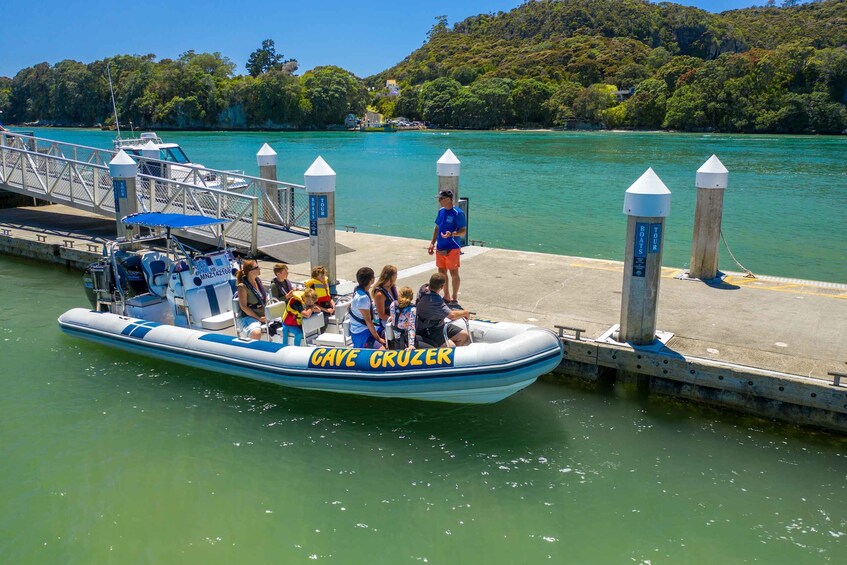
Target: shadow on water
(527, 420)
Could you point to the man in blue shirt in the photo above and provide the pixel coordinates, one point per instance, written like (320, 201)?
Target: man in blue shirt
(449, 224)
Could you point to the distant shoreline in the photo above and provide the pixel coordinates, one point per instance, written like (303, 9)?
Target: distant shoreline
(439, 130)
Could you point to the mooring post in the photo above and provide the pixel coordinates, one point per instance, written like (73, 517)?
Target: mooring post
(712, 180)
(448, 168)
(150, 151)
(647, 203)
(320, 186)
(123, 171)
(266, 158)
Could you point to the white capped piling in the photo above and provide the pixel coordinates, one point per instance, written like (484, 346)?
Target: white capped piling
(123, 171)
(320, 186)
(647, 203)
(712, 180)
(150, 151)
(266, 159)
(448, 168)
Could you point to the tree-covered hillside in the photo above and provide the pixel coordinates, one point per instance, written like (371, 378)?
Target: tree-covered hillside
(560, 62)
(568, 63)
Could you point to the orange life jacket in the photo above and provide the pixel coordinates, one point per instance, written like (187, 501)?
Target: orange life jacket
(321, 288)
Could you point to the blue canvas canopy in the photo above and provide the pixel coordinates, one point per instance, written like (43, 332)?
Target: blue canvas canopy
(175, 221)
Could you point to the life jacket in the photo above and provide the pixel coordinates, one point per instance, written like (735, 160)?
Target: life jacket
(390, 297)
(321, 288)
(256, 299)
(360, 290)
(294, 309)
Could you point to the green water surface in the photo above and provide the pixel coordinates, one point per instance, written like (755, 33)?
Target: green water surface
(109, 457)
(785, 211)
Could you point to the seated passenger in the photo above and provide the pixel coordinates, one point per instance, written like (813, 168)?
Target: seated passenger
(362, 329)
(431, 314)
(402, 315)
(281, 287)
(251, 300)
(384, 293)
(320, 284)
(300, 305)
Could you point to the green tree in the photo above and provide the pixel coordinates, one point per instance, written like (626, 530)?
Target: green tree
(495, 94)
(591, 102)
(435, 100)
(528, 98)
(408, 103)
(266, 58)
(468, 111)
(333, 93)
(646, 108)
(560, 105)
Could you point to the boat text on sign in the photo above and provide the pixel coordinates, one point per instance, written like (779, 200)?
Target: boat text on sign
(369, 359)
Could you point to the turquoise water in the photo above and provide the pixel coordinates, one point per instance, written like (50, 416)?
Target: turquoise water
(562, 192)
(113, 458)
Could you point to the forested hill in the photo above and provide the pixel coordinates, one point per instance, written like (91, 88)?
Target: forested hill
(560, 61)
(547, 63)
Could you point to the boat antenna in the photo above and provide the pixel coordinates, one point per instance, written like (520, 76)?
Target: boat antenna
(114, 106)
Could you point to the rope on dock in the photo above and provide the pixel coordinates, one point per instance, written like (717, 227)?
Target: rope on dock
(749, 274)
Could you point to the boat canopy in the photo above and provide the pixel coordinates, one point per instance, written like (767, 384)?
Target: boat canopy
(175, 221)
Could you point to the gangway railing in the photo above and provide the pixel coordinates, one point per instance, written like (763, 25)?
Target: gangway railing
(78, 176)
(156, 194)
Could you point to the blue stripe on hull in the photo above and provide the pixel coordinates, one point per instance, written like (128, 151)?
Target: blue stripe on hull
(489, 385)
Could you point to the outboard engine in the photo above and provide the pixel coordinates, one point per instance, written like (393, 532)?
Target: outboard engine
(98, 279)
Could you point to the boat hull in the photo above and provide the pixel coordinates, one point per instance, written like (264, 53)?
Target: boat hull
(477, 374)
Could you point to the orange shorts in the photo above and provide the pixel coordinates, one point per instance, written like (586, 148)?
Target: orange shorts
(449, 261)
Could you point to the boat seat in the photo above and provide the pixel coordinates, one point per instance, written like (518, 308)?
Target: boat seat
(275, 310)
(335, 321)
(156, 267)
(312, 328)
(342, 339)
(210, 306)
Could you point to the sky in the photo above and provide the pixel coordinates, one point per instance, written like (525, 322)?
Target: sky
(362, 37)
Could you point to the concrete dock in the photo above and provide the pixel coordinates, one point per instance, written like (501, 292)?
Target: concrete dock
(764, 346)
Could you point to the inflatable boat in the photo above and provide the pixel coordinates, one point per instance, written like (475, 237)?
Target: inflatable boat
(184, 316)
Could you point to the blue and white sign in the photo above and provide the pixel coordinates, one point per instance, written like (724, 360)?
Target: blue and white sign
(655, 238)
(313, 215)
(639, 263)
(322, 206)
(119, 189)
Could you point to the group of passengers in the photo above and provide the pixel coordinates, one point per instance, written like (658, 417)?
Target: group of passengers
(414, 321)
(381, 316)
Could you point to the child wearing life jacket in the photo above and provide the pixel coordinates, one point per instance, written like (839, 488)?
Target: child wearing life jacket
(302, 304)
(320, 284)
(402, 317)
(281, 288)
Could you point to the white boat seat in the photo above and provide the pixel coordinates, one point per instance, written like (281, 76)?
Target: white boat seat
(335, 321)
(156, 267)
(220, 322)
(207, 302)
(341, 339)
(312, 328)
(275, 310)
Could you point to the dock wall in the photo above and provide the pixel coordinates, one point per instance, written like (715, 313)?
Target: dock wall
(751, 390)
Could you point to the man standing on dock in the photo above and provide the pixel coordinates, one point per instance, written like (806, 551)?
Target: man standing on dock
(449, 223)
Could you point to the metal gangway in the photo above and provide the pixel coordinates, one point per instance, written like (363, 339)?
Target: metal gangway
(261, 212)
